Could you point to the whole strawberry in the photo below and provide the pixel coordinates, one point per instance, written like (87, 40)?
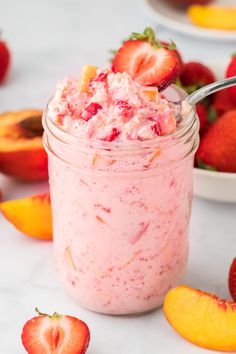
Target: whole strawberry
(54, 334)
(217, 149)
(202, 115)
(231, 71)
(4, 60)
(197, 74)
(147, 60)
(222, 102)
(232, 279)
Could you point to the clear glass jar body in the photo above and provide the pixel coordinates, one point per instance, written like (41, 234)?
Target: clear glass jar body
(121, 216)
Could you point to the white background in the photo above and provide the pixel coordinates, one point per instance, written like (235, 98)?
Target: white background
(50, 39)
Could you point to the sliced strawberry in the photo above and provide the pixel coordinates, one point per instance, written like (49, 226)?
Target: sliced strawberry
(124, 109)
(177, 53)
(194, 73)
(147, 61)
(55, 334)
(112, 135)
(231, 71)
(232, 279)
(90, 111)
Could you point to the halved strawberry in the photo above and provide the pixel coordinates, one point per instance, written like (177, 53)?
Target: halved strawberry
(54, 334)
(232, 279)
(147, 61)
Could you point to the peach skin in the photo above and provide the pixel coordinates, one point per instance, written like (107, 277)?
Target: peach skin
(21, 149)
(32, 216)
(202, 318)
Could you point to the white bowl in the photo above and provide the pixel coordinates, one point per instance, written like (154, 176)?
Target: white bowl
(219, 186)
(176, 20)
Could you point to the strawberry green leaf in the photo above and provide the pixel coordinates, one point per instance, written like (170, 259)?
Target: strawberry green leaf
(211, 114)
(201, 164)
(139, 36)
(172, 45)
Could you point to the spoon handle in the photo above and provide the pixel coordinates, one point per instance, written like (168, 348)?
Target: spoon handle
(209, 89)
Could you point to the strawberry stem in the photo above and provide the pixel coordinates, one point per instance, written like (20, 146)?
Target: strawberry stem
(149, 35)
(55, 315)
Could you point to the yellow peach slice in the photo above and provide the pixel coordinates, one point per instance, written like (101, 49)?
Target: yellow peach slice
(151, 93)
(21, 148)
(216, 17)
(32, 216)
(88, 72)
(202, 318)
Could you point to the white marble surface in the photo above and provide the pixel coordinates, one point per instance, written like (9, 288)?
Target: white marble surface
(50, 39)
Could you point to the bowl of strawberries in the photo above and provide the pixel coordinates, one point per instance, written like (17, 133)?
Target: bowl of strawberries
(215, 159)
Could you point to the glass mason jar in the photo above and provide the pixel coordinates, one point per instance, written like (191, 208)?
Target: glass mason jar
(121, 215)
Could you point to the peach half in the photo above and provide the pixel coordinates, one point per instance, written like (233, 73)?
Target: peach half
(21, 149)
(32, 216)
(202, 318)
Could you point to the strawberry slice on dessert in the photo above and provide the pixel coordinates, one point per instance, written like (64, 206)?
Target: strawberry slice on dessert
(232, 279)
(54, 334)
(147, 60)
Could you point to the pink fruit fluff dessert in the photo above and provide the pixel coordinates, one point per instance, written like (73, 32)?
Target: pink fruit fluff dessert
(115, 108)
(120, 167)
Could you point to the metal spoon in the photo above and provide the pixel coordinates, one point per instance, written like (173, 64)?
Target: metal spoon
(209, 89)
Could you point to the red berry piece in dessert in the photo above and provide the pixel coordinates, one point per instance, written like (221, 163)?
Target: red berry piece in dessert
(147, 60)
(113, 134)
(124, 109)
(90, 111)
(53, 334)
(232, 279)
(231, 71)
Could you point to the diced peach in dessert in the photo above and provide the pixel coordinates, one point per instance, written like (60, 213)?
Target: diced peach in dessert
(32, 215)
(69, 259)
(202, 318)
(88, 72)
(21, 149)
(151, 93)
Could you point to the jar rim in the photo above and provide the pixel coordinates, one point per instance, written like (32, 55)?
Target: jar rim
(72, 139)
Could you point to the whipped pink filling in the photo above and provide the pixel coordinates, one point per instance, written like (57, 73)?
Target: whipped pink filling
(115, 108)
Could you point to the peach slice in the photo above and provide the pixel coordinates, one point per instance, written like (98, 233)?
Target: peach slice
(202, 318)
(32, 216)
(213, 16)
(21, 149)
(151, 93)
(88, 72)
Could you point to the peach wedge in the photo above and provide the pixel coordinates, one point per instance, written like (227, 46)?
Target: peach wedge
(32, 216)
(21, 149)
(202, 318)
